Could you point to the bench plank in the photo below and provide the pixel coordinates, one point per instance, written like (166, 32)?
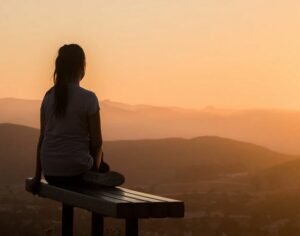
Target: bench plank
(158, 208)
(113, 201)
(175, 207)
(139, 208)
(101, 204)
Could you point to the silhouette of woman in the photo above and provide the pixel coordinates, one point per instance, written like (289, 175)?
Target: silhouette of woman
(70, 141)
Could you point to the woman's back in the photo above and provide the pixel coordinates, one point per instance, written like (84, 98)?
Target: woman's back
(65, 147)
(70, 141)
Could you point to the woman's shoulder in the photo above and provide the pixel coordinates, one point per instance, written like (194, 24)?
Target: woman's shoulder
(48, 93)
(90, 99)
(50, 90)
(47, 97)
(87, 93)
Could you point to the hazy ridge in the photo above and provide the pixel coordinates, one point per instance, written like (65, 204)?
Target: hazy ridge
(276, 129)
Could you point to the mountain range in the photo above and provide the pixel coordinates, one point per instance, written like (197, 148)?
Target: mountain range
(276, 129)
(150, 161)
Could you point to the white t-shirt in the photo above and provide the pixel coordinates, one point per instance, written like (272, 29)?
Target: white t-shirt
(65, 147)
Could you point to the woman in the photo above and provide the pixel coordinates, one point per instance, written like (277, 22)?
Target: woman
(70, 134)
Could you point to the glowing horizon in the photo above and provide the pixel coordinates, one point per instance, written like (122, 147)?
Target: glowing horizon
(192, 54)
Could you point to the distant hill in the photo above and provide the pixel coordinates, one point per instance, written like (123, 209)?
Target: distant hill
(146, 162)
(283, 175)
(17, 150)
(20, 111)
(276, 129)
(189, 160)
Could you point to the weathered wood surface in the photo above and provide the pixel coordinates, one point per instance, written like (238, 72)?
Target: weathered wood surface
(113, 201)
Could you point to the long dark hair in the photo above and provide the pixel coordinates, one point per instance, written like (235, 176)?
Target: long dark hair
(69, 66)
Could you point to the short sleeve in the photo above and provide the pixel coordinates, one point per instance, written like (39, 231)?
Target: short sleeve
(43, 104)
(42, 107)
(45, 101)
(93, 104)
(43, 112)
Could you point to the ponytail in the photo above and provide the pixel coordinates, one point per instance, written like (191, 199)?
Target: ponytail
(69, 65)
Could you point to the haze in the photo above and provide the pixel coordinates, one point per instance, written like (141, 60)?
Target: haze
(234, 54)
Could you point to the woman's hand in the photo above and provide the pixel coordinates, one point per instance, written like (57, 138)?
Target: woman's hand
(104, 167)
(34, 185)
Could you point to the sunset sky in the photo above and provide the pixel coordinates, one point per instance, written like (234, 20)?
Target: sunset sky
(192, 53)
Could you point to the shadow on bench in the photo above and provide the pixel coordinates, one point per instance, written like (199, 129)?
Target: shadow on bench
(114, 202)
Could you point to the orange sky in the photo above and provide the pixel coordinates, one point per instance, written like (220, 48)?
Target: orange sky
(233, 53)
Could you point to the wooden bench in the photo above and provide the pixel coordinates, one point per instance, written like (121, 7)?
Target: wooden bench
(114, 202)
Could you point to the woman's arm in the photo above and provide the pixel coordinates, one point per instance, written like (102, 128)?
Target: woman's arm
(95, 139)
(38, 168)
